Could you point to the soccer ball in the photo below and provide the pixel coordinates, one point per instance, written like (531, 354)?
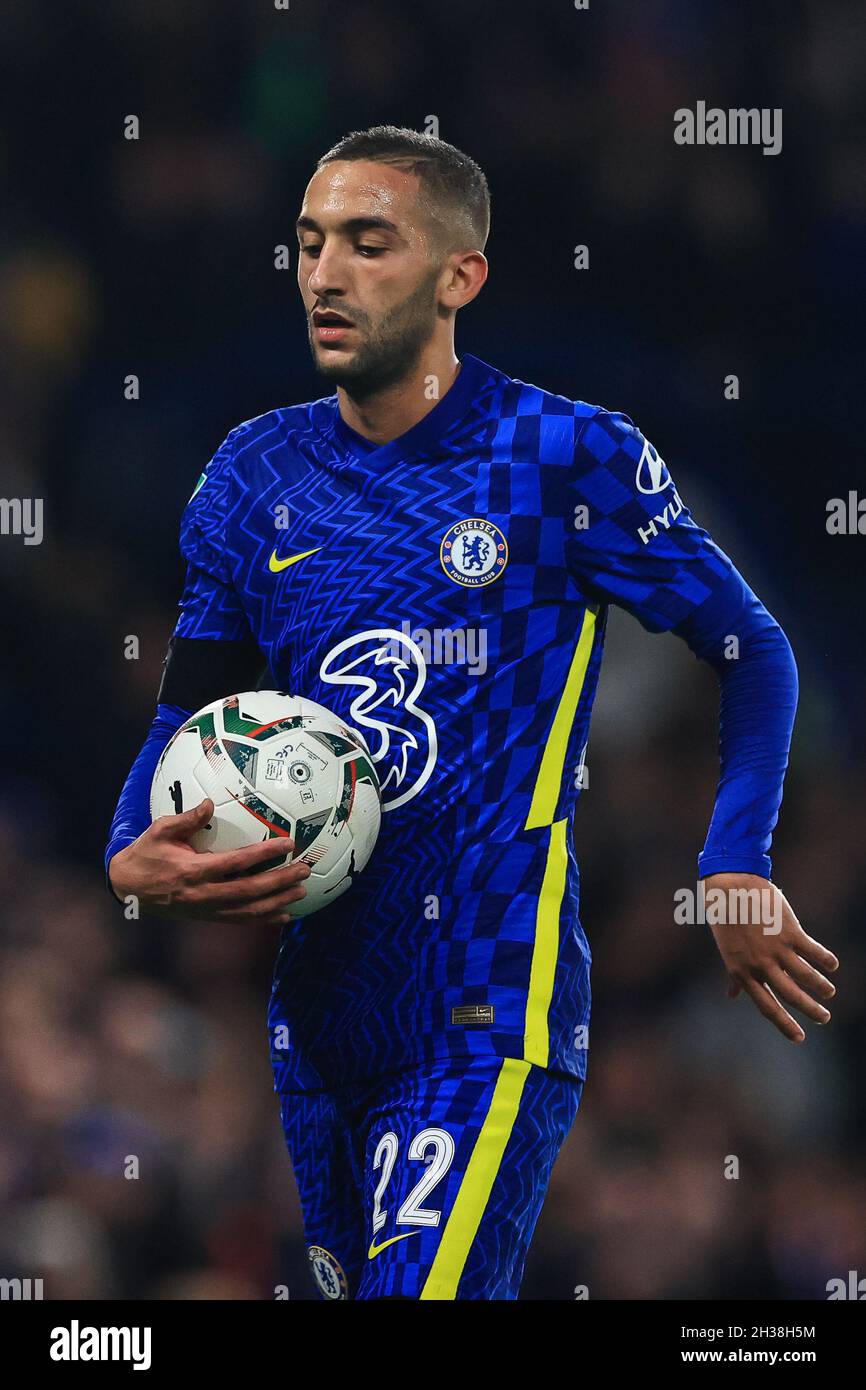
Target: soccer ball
(276, 765)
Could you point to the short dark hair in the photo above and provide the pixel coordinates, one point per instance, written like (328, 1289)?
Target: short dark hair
(455, 187)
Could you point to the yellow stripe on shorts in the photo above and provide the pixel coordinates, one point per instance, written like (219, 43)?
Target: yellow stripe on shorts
(462, 1225)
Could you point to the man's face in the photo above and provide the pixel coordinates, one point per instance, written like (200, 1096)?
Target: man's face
(367, 273)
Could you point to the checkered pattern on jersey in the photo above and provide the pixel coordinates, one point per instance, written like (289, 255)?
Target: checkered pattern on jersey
(641, 548)
(446, 912)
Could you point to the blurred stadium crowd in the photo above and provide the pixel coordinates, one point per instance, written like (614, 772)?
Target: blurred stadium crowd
(155, 258)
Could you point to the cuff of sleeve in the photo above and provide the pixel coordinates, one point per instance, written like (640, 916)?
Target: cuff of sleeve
(114, 848)
(759, 864)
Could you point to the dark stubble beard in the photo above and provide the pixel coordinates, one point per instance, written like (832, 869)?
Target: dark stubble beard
(388, 352)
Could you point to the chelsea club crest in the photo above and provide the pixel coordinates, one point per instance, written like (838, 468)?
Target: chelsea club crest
(327, 1273)
(473, 552)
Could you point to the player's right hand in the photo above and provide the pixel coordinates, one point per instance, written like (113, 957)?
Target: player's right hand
(171, 879)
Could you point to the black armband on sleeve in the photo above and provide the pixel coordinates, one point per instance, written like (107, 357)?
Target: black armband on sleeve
(197, 671)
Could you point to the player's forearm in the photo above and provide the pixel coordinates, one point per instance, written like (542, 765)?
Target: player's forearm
(196, 671)
(758, 680)
(132, 814)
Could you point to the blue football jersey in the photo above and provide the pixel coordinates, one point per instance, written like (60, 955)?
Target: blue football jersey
(446, 594)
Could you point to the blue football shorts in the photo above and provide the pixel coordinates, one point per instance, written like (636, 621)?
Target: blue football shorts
(427, 1183)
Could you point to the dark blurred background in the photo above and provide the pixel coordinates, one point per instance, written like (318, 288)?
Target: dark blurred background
(155, 258)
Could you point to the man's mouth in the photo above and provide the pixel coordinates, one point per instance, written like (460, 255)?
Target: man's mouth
(329, 326)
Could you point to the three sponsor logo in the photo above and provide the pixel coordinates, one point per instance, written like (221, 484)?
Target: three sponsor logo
(386, 669)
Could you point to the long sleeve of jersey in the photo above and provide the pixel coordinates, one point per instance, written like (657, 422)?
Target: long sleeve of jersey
(757, 674)
(211, 653)
(635, 544)
(132, 815)
(197, 670)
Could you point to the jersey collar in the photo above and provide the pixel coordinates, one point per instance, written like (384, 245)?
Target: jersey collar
(453, 405)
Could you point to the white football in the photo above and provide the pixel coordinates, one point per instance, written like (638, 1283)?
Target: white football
(277, 765)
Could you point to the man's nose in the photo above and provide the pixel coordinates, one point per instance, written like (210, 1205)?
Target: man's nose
(327, 277)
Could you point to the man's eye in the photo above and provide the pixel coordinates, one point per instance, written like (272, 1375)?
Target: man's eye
(371, 250)
(310, 250)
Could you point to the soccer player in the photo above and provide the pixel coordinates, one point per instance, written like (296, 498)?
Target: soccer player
(429, 1029)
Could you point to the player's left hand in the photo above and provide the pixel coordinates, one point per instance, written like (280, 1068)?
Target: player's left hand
(771, 959)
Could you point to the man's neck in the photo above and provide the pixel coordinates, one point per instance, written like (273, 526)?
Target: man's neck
(394, 410)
